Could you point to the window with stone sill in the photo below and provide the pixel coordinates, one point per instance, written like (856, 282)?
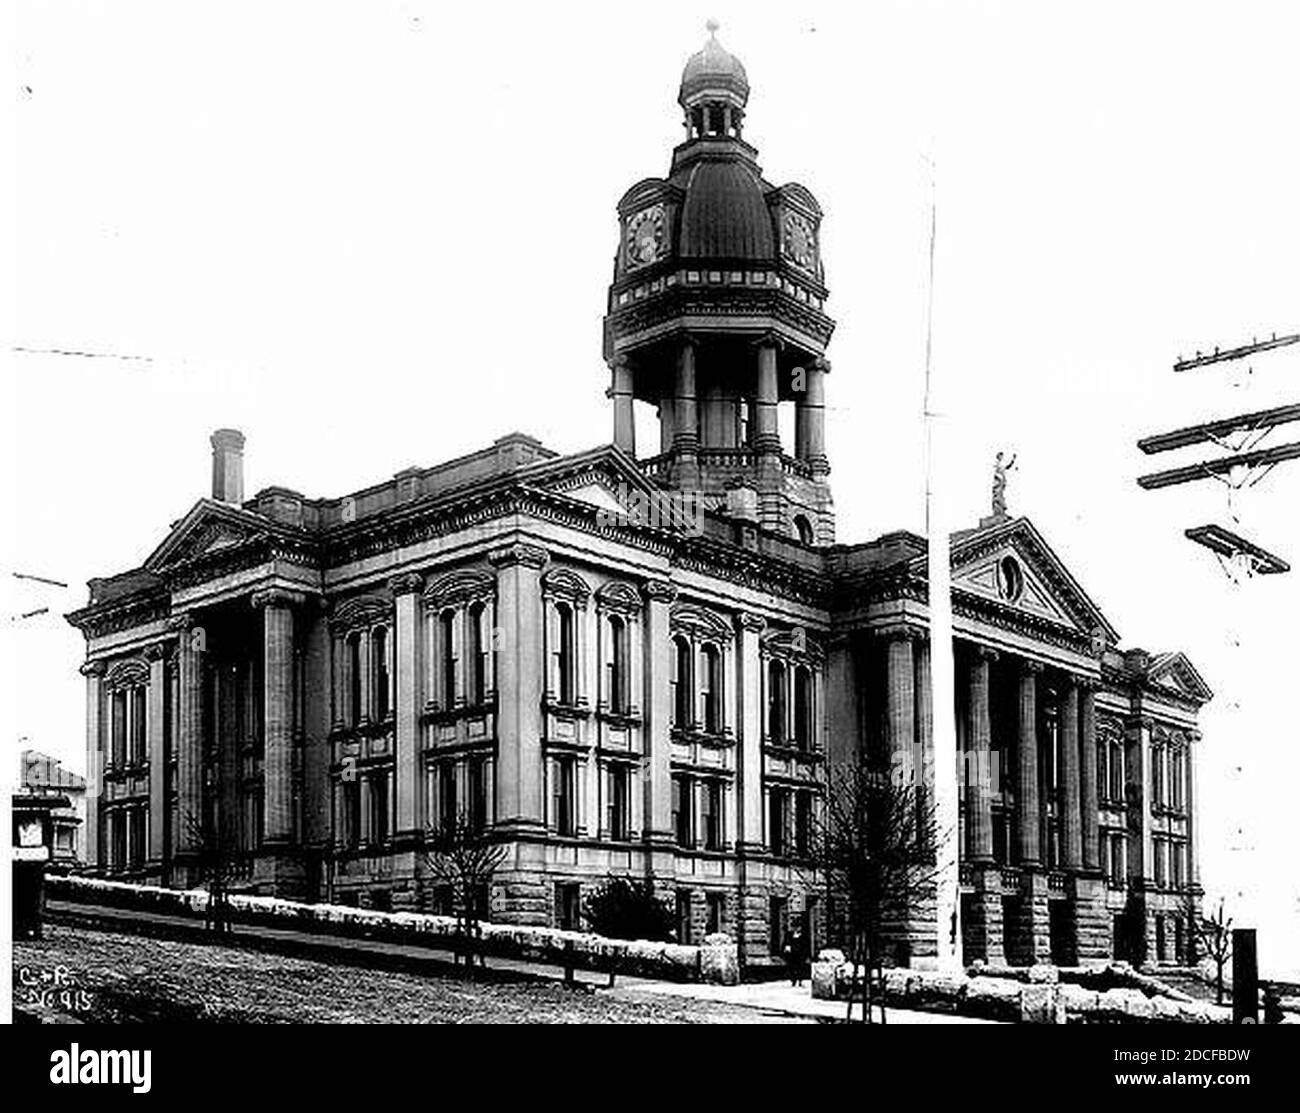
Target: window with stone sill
(128, 701)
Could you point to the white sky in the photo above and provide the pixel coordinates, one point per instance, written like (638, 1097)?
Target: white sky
(379, 234)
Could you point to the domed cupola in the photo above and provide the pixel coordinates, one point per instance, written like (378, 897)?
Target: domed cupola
(714, 83)
(716, 313)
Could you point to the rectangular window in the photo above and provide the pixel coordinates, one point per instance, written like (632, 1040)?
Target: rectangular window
(711, 804)
(776, 924)
(682, 803)
(618, 802)
(565, 797)
(119, 839)
(684, 916)
(802, 823)
(350, 791)
(568, 906)
(117, 736)
(717, 903)
(447, 637)
(778, 820)
(139, 719)
(478, 801)
(1158, 853)
(381, 679)
(447, 802)
(377, 785)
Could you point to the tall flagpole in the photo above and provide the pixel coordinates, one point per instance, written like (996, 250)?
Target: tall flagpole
(944, 728)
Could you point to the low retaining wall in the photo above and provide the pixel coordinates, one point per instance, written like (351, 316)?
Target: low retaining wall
(715, 961)
(1032, 995)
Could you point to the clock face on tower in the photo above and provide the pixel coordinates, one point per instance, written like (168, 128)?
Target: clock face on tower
(800, 242)
(645, 236)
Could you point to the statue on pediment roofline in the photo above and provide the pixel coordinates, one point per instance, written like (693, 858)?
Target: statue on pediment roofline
(1000, 471)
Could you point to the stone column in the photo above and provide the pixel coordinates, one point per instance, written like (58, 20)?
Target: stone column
(620, 391)
(276, 605)
(406, 710)
(657, 829)
(843, 722)
(1088, 794)
(979, 814)
(93, 671)
(519, 685)
(191, 650)
(924, 748)
(1071, 822)
(686, 418)
(810, 417)
(1137, 763)
(157, 658)
(751, 905)
(900, 699)
(767, 436)
(1193, 826)
(750, 628)
(1027, 802)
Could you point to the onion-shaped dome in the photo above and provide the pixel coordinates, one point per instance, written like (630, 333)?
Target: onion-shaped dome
(711, 70)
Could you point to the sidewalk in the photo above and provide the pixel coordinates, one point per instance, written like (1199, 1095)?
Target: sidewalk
(780, 997)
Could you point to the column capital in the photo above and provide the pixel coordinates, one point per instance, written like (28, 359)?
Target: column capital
(822, 364)
(1139, 722)
(769, 339)
(531, 556)
(92, 668)
(688, 339)
(1088, 685)
(659, 591)
(621, 361)
(986, 653)
(277, 597)
(1030, 667)
(753, 623)
(156, 652)
(179, 623)
(1194, 735)
(406, 584)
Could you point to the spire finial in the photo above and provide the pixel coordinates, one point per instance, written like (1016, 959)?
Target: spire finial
(712, 28)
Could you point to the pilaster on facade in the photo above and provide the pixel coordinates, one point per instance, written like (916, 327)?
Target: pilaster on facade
(93, 671)
(406, 591)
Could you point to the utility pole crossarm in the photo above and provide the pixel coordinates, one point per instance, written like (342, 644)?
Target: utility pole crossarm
(1241, 352)
(1212, 468)
(1209, 430)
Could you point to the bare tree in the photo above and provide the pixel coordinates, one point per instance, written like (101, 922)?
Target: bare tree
(1192, 918)
(219, 863)
(874, 844)
(1216, 933)
(463, 855)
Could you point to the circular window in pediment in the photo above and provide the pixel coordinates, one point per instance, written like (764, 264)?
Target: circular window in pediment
(1011, 580)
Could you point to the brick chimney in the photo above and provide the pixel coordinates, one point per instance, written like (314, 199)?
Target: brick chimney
(228, 466)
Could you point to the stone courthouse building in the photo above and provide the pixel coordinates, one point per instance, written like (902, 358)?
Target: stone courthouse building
(326, 680)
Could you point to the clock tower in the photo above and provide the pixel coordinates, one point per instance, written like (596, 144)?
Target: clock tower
(716, 316)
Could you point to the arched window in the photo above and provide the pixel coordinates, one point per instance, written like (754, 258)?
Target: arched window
(379, 671)
(1116, 770)
(682, 683)
(711, 688)
(478, 640)
(803, 708)
(776, 703)
(1158, 774)
(1177, 771)
(617, 665)
(355, 678)
(803, 529)
(564, 662)
(447, 631)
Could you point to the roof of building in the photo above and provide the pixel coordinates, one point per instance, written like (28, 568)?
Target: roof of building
(725, 214)
(712, 67)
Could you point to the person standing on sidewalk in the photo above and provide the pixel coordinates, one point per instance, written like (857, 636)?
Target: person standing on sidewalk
(795, 954)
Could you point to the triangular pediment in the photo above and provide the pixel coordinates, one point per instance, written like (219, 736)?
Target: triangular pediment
(209, 527)
(609, 480)
(1010, 564)
(1174, 673)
